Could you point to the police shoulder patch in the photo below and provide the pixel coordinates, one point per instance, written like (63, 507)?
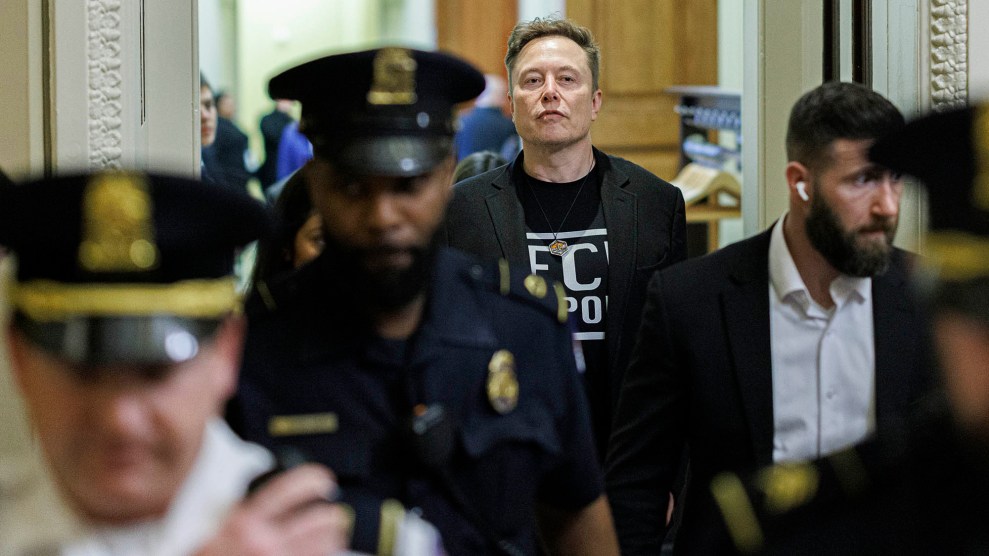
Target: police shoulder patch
(534, 289)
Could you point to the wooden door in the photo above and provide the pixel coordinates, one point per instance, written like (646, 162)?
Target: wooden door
(647, 46)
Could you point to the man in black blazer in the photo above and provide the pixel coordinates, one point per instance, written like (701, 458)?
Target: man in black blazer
(786, 346)
(597, 224)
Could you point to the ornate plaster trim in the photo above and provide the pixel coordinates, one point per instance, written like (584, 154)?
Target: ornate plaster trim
(104, 76)
(949, 53)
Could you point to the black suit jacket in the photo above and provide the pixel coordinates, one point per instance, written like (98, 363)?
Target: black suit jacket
(646, 231)
(701, 373)
(229, 147)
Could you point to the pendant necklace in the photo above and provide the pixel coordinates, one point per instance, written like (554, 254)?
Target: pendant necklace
(560, 247)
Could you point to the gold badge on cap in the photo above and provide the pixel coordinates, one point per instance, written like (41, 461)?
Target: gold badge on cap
(503, 387)
(118, 234)
(536, 285)
(394, 77)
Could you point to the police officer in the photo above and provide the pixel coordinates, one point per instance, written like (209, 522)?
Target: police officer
(124, 341)
(413, 371)
(927, 493)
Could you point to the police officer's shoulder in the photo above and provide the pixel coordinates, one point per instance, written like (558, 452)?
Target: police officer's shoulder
(761, 507)
(515, 285)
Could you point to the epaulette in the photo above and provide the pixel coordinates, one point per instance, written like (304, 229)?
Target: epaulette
(757, 507)
(532, 289)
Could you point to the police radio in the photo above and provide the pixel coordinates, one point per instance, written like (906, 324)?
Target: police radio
(373, 518)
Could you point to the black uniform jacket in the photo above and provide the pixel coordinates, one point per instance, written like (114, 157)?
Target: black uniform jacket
(701, 373)
(314, 379)
(925, 494)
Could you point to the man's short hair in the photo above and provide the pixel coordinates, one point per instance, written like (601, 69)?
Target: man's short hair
(528, 31)
(837, 110)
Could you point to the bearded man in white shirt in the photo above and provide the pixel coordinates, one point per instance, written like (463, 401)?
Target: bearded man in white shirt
(790, 345)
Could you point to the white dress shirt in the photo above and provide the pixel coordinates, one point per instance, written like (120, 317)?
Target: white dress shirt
(824, 361)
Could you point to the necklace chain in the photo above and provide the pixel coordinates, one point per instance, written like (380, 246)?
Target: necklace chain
(560, 247)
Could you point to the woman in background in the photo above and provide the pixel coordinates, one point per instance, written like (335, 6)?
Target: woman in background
(297, 238)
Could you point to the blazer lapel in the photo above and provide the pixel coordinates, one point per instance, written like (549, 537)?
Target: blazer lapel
(746, 313)
(507, 218)
(893, 321)
(620, 214)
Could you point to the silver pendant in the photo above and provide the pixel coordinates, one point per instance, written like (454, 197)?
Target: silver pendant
(559, 247)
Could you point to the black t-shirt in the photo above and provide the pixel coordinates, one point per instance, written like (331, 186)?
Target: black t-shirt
(571, 213)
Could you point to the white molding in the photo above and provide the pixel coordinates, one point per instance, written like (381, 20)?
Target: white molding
(948, 53)
(104, 42)
(125, 88)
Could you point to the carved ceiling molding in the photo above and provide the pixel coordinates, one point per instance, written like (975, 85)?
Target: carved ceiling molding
(103, 37)
(949, 53)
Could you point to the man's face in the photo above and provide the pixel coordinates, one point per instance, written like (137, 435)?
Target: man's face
(854, 210)
(226, 107)
(207, 116)
(553, 96)
(120, 440)
(381, 229)
(963, 352)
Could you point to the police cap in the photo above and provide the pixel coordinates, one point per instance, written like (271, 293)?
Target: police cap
(949, 152)
(124, 267)
(387, 111)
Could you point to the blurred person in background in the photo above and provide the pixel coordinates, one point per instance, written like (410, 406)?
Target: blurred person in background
(485, 127)
(298, 236)
(477, 163)
(230, 147)
(272, 125)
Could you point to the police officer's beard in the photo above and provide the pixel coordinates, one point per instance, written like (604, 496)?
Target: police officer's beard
(842, 249)
(380, 290)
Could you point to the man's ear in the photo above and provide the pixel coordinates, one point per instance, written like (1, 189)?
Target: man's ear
(797, 173)
(596, 101)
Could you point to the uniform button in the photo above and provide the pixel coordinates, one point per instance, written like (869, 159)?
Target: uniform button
(830, 395)
(476, 272)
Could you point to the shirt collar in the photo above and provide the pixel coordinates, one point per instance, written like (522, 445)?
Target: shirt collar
(787, 283)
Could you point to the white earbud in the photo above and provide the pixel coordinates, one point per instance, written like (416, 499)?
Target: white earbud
(802, 191)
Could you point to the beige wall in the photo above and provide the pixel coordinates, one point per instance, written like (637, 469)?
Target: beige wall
(22, 149)
(272, 36)
(978, 48)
